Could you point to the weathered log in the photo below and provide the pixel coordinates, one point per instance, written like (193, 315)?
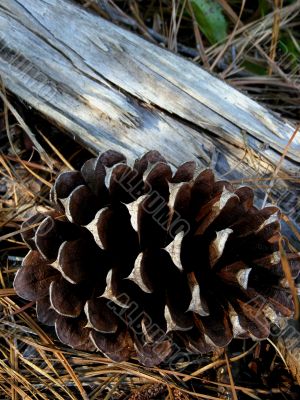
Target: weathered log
(109, 88)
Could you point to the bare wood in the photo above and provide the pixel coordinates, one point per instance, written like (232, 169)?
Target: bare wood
(111, 88)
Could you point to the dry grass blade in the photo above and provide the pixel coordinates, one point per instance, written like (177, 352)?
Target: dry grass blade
(13, 148)
(115, 386)
(252, 395)
(58, 354)
(26, 129)
(11, 234)
(200, 46)
(27, 168)
(11, 177)
(255, 35)
(175, 23)
(28, 163)
(41, 372)
(56, 371)
(278, 351)
(6, 292)
(97, 392)
(242, 388)
(287, 271)
(56, 151)
(280, 163)
(21, 309)
(291, 225)
(231, 36)
(275, 31)
(16, 376)
(218, 363)
(234, 395)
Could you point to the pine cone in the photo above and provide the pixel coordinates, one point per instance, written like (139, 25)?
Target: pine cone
(139, 261)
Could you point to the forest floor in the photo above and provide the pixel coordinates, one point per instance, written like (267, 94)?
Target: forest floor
(254, 46)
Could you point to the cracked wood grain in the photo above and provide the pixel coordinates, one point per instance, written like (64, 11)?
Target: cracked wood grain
(109, 86)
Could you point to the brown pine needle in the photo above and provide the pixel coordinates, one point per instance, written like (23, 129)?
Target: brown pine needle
(234, 395)
(287, 271)
(280, 163)
(6, 106)
(56, 151)
(7, 292)
(59, 355)
(217, 363)
(11, 234)
(279, 352)
(275, 32)
(26, 129)
(21, 309)
(291, 225)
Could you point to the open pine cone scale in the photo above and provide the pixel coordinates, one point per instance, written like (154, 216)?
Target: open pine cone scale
(135, 261)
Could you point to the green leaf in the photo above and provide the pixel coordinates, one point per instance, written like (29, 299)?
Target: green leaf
(254, 68)
(210, 19)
